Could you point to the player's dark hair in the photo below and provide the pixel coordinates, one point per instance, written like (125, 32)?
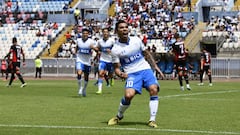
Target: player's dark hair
(105, 28)
(117, 24)
(85, 29)
(14, 40)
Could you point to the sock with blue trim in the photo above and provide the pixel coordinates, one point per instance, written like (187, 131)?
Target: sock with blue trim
(124, 104)
(153, 105)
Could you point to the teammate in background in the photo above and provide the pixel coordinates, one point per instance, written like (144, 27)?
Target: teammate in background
(38, 65)
(3, 67)
(181, 62)
(205, 66)
(14, 55)
(96, 71)
(85, 46)
(132, 55)
(105, 67)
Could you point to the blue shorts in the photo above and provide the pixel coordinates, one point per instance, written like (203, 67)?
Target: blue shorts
(84, 68)
(105, 66)
(141, 79)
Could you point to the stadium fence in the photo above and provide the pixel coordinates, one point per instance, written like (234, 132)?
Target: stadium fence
(221, 67)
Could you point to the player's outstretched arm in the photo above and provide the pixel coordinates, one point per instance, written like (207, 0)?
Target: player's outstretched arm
(118, 71)
(152, 62)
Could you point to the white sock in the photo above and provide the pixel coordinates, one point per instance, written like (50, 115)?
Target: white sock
(80, 84)
(122, 108)
(153, 104)
(99, 86)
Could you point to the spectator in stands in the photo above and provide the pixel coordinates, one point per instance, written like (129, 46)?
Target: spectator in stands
(9, 4)
(144, 40)
(154, 48)
(65, 8)
(60, 50)
(16, 61)
(48, 33)
(71, 10)
(232, 37)
(68, 36)
(55, 26)
(48, 47)
(192, 20)
(38, 66)
(189, 5)
(18, 5)
(38, 33)
(73, 48)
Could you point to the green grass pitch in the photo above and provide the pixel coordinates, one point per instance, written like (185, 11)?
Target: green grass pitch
(52, 107)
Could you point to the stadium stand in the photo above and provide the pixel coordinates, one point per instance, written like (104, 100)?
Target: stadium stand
(26, 20)
(32, 44)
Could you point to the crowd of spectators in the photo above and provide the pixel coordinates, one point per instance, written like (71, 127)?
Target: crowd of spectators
(229, 25)
(148, 19)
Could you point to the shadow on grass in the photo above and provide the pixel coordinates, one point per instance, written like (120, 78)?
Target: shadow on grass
(128, 123)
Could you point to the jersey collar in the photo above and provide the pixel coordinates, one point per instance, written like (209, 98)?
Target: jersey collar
(127, 43)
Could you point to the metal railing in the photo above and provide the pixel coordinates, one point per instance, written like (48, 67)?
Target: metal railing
(227, 68)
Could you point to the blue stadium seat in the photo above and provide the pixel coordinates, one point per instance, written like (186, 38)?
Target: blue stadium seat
(162, 65)
(195, 68)
(169, 67)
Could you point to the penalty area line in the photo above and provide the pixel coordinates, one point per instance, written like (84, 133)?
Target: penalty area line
(200, 93)
(122, 129)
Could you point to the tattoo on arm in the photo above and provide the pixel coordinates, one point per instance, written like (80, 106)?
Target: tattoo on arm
(149, 58)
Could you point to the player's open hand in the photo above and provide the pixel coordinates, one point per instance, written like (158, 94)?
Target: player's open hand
(159, 71)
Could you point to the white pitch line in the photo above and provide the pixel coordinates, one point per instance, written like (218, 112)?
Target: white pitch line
(206, 99)
(122, 129)
(200, 93)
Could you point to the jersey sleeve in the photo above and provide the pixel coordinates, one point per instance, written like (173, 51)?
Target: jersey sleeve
(115, 54)
(142, 46)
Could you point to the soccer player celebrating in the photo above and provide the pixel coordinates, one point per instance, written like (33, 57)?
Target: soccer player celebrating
(205, 66)
(105, 65)
(83, 60)
(132, 55)
(181, 61)
(14, 55)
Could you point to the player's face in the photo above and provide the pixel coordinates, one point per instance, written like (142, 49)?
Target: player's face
(122, 31)
(105, 34)
(85, 35)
